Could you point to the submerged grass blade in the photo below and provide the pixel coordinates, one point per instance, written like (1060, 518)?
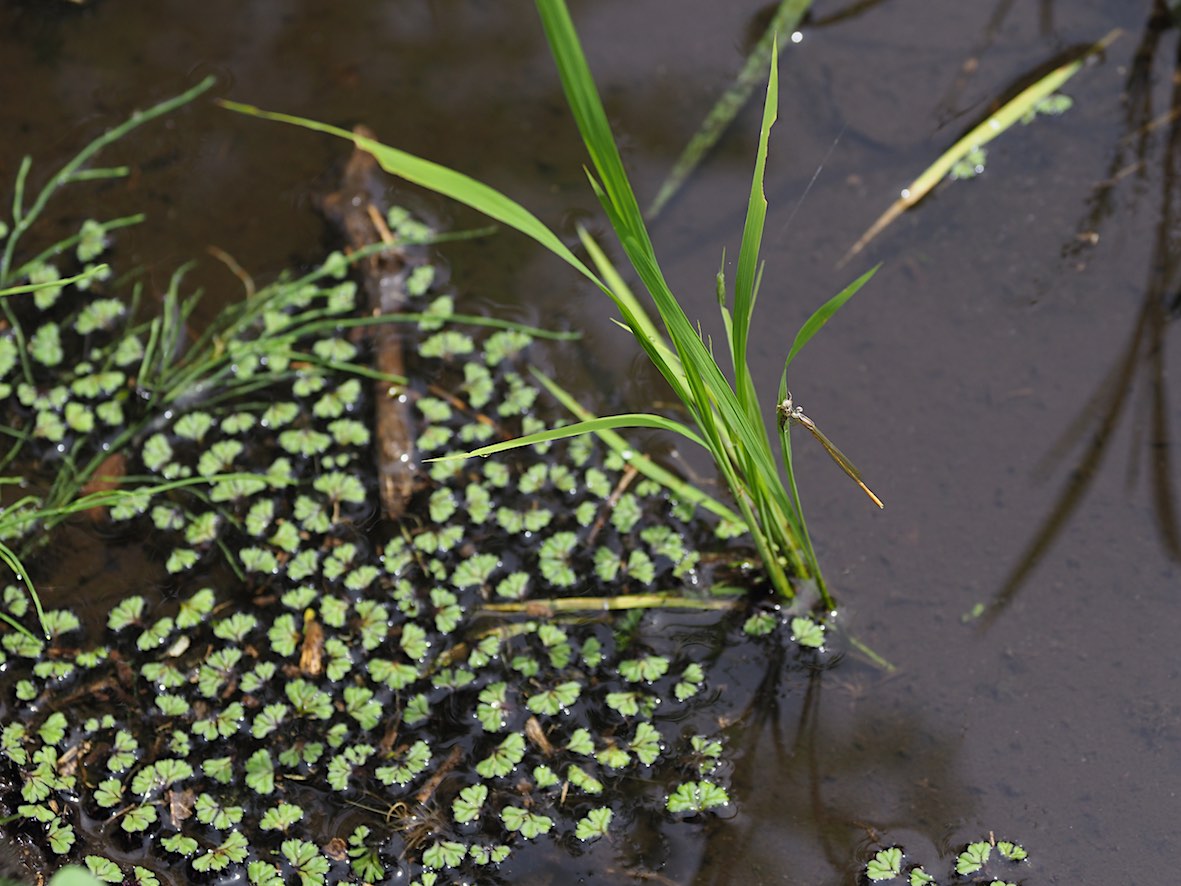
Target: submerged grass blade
(72, 171)
(997, 123)
(658, 600)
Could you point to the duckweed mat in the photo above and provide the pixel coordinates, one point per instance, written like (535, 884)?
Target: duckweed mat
(313, 693)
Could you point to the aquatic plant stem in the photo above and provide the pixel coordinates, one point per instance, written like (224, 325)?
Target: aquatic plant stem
(541, 608)
(72, 171)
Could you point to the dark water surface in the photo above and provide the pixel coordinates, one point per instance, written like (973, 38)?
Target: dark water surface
(1002, 383)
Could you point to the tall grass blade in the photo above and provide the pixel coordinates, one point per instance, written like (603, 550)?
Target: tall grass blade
(746, 281)
(787, 18)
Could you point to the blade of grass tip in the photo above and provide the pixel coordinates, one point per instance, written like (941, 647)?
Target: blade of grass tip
(1003, 119)
(9, 557)
(786, 20)
(679, 487)
(587, 108)
(706, 384)
(613, 188)
(821, 316)
(606, 422)
(745, 282)
(18, 193)
(440, 179)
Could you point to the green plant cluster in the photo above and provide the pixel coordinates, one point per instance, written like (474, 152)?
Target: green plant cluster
(348, 708)
(992, 862)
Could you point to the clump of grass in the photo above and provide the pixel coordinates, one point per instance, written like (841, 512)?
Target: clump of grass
(727, 417)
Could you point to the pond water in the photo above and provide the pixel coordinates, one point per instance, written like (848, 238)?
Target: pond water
(1002, 383)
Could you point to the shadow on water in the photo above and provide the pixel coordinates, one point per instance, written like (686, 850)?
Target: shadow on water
(1135, 387)
(964, 363)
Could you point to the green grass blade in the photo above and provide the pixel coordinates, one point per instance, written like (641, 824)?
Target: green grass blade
(13, 562)
(822, 315)
(706, 386)
(786, 19)
(593, 426)
(641, 326)
(459, 187)
(746, 282)
(798, 506)
(438, 178)
(650, 469)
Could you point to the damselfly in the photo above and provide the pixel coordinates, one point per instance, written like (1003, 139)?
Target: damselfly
(789, 411)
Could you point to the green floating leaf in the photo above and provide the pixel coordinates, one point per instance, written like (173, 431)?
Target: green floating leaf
(644, 670)
(260, 772)
(194, 426)
(1011, 851)
(138, 819)
(413, 761)
(366, 862)
(92, 242)
(309, 864)
(807, 632)
(444, 854)
(696, 796)
(468, 805)
(973, 858)
(60, 836)
(503, 758)
(885, 865)
(308, 701)
(103, 869)
(594, 824)
(53, 730)
(554, 701)
(583, 781)
(527, 824)
(233, 850)
(102, 313)
(760, 624)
